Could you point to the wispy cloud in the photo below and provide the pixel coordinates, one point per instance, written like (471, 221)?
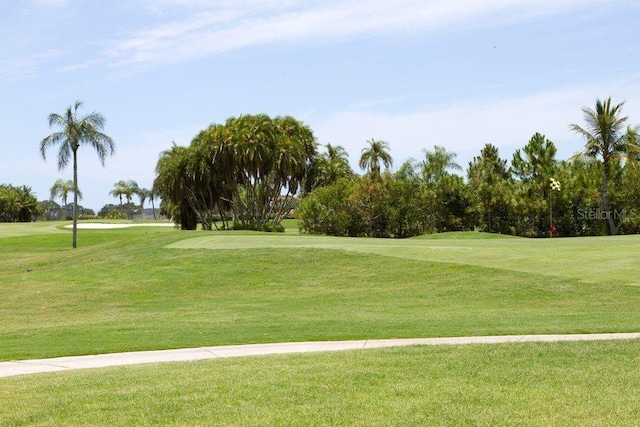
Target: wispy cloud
(213, 27)
(50, 3)
(22, 68)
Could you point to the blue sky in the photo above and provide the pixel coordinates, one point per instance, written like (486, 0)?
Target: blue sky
(416, 73)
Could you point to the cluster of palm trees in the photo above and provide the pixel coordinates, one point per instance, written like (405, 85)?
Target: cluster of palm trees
(248, 169)
(328, 167)
(128, 189)
(18, 204)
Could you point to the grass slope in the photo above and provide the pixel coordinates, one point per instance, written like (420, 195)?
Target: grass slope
(593, 259)
(131, 289)
(515, 384)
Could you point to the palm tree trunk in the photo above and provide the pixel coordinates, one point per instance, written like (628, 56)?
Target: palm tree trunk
(75, 199)
(611, 226)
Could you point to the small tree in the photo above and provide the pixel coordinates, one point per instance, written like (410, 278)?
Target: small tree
(489, 181)
(533, 167)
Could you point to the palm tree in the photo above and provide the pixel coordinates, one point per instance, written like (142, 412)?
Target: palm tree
(76, 131)
(172, 185)
(331, 166)
(609, 139)
(126, 189)
(119, 190)
(377, 152)
(436, 163)
(61, 189)
(143, 194)
(131, 188)
(152, 197)
(336, 152)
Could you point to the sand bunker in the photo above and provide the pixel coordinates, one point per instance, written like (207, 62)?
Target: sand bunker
(104, 226)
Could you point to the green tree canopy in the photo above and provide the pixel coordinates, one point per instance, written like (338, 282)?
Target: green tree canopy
(437, 163)
(489, 181)
(18, 204)
(331, 166)
(533, 167)
(252, 167)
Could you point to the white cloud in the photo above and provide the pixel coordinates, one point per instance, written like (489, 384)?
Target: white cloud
(213, 27)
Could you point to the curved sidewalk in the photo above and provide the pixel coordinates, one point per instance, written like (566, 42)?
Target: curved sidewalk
(25, 367)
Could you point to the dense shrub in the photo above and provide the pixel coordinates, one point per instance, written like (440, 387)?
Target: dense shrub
(371, 207)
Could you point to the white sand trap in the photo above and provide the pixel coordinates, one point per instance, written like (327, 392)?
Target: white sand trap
(105, 226)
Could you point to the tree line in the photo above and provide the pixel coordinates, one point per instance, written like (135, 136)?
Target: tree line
(535, 195)
(254, 170)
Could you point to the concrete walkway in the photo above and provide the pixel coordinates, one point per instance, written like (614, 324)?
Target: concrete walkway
(25, 367)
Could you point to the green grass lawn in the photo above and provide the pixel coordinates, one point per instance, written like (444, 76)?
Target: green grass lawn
(155, 288)
(562, 384)
(592, 259)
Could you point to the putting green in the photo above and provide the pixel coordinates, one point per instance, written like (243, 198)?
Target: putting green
(16, 229)
(613, 259)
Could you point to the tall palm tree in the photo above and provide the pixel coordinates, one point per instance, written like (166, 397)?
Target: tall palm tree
(152, 197)
(609, 139)
(172, 185)
(143, 194)
(62, 188)
(372, 156)
(131, 188)
(119, 190)
(76, 131)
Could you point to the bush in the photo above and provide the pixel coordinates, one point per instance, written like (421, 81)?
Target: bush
(327, 210)
(382, 207)
(630, 224)
(268, 228)
(115, 215)
(87, 217)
